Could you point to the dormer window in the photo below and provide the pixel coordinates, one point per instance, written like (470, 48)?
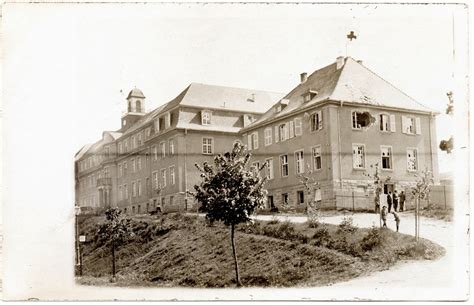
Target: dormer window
(278, 108)
(308, 96)
(206, 116)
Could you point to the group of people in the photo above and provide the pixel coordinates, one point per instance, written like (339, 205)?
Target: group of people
(392, 201)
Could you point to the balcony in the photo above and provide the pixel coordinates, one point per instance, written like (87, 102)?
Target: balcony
(104, 182)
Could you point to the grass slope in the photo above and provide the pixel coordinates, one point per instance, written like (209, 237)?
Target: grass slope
(182, 250)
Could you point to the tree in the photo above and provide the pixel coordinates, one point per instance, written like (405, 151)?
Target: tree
(310, 182)
(231, 193)
(446, 146)
(377, 183)
(421, 191)
(115, 231)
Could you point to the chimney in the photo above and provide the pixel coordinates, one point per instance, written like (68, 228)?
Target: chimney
(304, 77)
(339, 62)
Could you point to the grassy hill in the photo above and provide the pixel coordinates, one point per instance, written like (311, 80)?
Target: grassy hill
(180, 250)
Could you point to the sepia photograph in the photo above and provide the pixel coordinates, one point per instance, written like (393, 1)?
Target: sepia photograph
(235, 151)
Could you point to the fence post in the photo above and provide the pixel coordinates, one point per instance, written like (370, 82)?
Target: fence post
(444, 192)
(353, 203)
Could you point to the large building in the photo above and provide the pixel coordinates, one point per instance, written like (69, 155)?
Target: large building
(150, 161)
(337, 123)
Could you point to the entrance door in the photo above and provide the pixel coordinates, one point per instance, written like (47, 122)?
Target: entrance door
(388, 187)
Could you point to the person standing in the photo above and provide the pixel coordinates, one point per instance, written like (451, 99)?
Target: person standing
(384, 214)
(389, 201)
(402, 201)
(395, 201)
(397, 219)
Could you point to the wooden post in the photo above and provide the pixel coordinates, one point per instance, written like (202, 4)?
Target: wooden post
(353, 202)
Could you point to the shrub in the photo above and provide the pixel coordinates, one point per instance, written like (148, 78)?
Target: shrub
(286, 230)
(347, 226)
(321, 237)
(372, 239)
(312, 223)
(273, 221)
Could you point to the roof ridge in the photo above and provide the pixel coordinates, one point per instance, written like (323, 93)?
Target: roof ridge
(392, 85)
(231, 87)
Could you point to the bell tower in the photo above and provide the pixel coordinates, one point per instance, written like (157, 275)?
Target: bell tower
(135, 108)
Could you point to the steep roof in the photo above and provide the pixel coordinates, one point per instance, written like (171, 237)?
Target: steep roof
(213, 97)
(352, 83)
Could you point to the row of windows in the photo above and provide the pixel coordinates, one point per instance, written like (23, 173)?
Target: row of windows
(300, 198)
(162, 149)
(387, 122)
(91, 180)
(285, 131)
(358, 157)
(136, 186)
(89, 201)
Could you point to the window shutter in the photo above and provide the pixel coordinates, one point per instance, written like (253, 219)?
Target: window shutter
(276, 134)
(404, 124)
(249, 142)
(298, 127)
(418, 126)
(255, 146)
(286, 131)
(157, 125)
(292, 129)
(392, 123)
(320, 116)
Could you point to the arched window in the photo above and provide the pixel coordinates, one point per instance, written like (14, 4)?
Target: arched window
(129, 106)
(139, 106)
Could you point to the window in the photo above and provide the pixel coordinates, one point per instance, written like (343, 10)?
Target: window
(162, 201)
(139, 163)
(125, 169)
(299, 162)
(139, 139)
(386, 153)
(163, 177)
(155, 152)
(277, 136)
(125, 187)
(255, 140)
(134, 166)
(284, 198)
(358, 156)
(255, 166)
(134, 189)
(106, 151)
(316, 121)
(269, 169)
(361, 119)
(207, 146)
(291, 124)
(172, 175)
(156, 183)
(412, 159)
(268, 136)
(125, 145)
(132, 143)
(148, 132)
(317, 195)
(163, 149)
(156, 124)
(205, 117)
(300, 196)
(283, 130)
(411, 125)
(298, 127)
(284, 165)
(120, 171)
(317, 162)
(384, 122)
(167, 120)
(171, 200)
(171, 147)
(120, 194)
(139, 188)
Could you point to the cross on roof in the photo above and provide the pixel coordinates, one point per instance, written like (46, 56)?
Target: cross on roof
(351, 36)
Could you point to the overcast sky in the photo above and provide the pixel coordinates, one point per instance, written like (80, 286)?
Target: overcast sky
(81, 57)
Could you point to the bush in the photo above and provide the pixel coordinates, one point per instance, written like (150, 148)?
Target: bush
(312, 224)
(321, 237)
(273, 221)
(372, 239)
(347, 226)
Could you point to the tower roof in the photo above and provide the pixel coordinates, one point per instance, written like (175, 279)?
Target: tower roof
(135, 93)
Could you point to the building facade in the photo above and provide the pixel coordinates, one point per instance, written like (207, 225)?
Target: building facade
(337, 125)
(150, 161)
